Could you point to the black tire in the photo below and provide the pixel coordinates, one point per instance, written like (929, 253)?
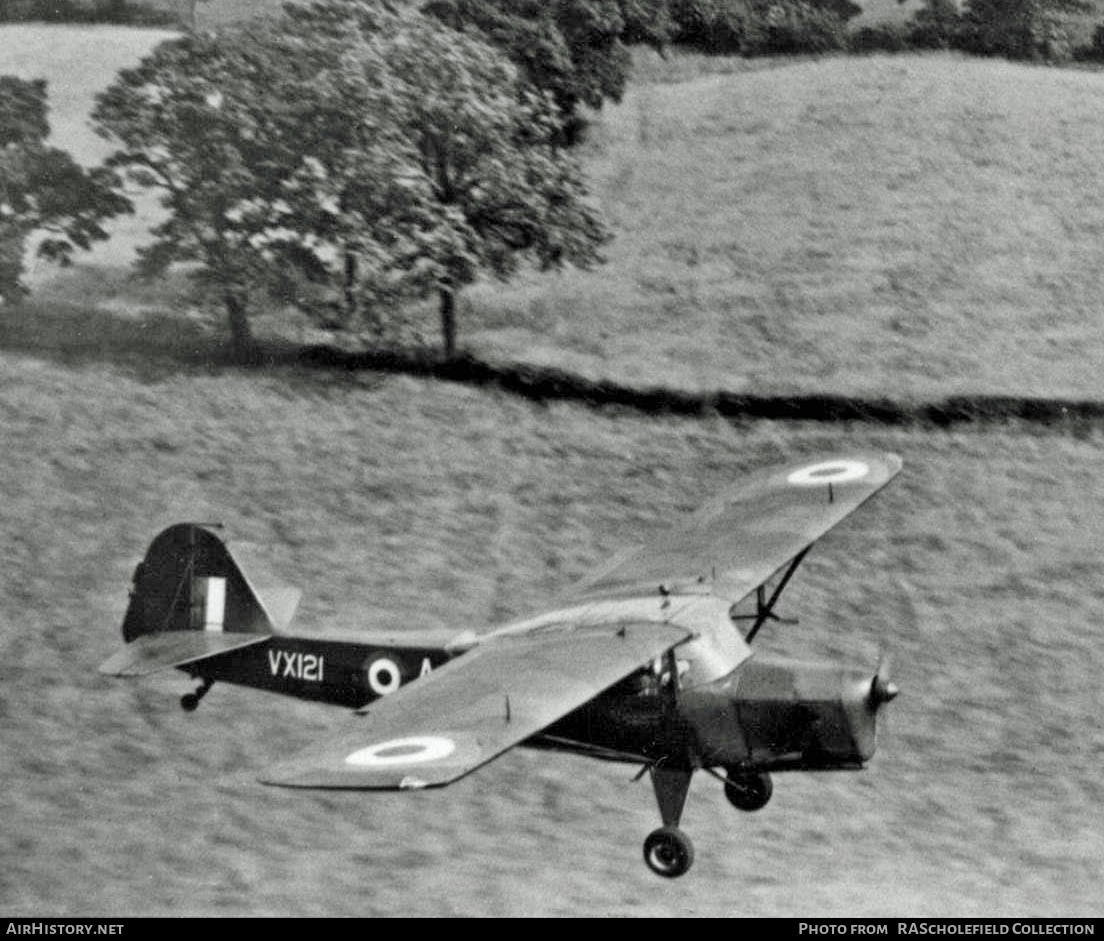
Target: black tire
(668, 852)
(748, 792)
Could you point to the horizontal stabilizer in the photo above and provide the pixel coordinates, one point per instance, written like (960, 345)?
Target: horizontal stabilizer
(278, 601)
(167, 649)
(280, 604)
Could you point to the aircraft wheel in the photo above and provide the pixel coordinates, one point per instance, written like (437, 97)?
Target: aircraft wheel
(748, 791)
(668, 852)
(189, 702)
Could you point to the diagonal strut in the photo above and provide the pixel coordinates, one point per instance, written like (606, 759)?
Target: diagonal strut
(765, 608)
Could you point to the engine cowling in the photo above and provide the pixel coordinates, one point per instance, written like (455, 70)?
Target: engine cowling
(775, 714)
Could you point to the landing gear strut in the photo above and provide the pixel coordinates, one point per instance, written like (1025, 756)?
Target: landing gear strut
(189, 701)
(748, 791)
(668, 851)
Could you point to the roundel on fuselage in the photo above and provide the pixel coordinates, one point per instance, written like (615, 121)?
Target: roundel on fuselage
(384, 675)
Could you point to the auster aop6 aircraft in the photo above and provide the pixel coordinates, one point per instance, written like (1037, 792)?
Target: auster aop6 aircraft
(647, 661)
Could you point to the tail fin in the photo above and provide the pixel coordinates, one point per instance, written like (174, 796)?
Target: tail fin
(192, 599)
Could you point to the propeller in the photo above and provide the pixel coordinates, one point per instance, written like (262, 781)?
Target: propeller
(882, 687)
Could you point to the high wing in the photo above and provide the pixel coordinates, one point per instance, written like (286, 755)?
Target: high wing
(738, 540)
(523, 677)
(462, 715)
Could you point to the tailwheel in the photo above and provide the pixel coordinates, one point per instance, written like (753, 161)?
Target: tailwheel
(748, 791)
(190, 701)
(668, 852)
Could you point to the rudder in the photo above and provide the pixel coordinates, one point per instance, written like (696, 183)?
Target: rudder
(191, 600)
(189, 580)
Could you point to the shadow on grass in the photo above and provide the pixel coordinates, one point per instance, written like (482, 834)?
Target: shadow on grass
(92, 314)
(98, 315)
(74, 334)
(543, 384)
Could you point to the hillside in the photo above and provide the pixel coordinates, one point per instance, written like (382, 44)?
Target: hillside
(904, 226)
(399, 503)
(922, 224)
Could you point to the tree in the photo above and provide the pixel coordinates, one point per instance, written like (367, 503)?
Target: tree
(936, 25)
(181, 134)
(347, 149)
(487, 150)
(43, 189)
(1020, 29)
(574, 49)
(795, 27)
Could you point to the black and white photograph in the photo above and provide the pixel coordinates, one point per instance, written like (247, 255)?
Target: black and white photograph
(552, 459)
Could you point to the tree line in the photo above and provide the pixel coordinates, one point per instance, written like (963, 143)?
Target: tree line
(348, 157)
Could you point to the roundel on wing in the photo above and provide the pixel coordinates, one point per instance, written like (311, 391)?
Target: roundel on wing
(402, 751)
(829, 472)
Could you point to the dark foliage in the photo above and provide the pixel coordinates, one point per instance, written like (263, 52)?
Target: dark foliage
(936, 25)
(884, 37)
(576, 50)
(22, 111)
(796, 27)
(121, 12)
(1020, 29)
(714, 26)
(758, 27)
(1094, 51)
(42, 188)
(346, 158)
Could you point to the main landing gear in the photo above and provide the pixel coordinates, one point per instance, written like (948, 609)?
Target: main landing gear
(668, 851)
(189, 701)
(748, 790)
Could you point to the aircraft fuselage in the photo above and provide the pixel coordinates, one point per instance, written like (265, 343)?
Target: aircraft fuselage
(764, 715)
(338, 672)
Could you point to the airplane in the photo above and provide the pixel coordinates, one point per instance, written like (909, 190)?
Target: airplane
(646, 661)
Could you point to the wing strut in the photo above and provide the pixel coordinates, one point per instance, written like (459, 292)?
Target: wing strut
(765, 608)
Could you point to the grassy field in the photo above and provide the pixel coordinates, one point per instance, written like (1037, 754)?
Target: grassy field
(398, 503)
(924, 225)
(909, 226)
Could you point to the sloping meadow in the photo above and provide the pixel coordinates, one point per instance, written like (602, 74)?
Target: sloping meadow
(401, 503)
(916, 226)
(920, 225)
